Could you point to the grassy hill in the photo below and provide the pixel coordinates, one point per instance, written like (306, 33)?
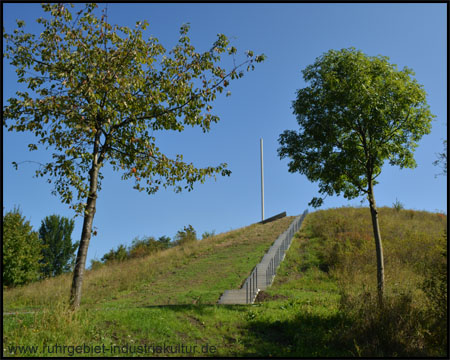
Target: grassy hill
(321, 303)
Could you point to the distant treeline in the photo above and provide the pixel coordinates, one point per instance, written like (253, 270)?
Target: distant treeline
(30, 255)
(146, 245)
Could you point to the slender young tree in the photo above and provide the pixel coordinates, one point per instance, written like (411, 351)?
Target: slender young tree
(98, 95)
(358, 112)
(58, 251)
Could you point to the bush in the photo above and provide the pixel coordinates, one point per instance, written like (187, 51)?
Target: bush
(208, 234)
(413, 320)
(116, 255)
(395, 329)
(143, 247)
(165, 242)
(187, 235)
(398, 205)
(96, 264)
(435, 288)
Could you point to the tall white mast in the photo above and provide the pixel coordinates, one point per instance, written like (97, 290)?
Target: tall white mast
(262, 182)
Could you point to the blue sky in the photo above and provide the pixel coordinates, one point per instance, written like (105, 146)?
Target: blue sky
(292, 36)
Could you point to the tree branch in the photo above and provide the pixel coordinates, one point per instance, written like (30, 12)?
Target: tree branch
(392, 133)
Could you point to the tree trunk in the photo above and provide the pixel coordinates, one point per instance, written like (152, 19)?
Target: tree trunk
(378, 245)
(78, 273)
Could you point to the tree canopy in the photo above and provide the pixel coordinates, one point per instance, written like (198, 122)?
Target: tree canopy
(357, 112)
(103, 86)
(21, 250)
(58, 251)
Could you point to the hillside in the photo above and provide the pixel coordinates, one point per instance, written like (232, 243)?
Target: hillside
(170, 298)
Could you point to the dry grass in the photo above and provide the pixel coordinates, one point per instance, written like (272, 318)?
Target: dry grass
(140, 274)
(340, 242)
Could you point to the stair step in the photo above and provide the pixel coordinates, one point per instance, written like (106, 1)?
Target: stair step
(258, 275)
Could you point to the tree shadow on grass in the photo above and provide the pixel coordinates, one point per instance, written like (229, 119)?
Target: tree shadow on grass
(200, 309)
(304, 336)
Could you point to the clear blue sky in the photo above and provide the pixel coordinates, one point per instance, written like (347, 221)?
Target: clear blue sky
(292, 36)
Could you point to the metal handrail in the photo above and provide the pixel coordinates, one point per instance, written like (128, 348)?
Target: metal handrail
(251, 286)
(275, 261)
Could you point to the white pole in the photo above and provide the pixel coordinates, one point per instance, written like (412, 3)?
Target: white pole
(262, 182)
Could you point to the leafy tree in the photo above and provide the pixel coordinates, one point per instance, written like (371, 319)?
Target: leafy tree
(120, 254)
(358, 112)
(187, 235)
(99, 94)
(58, 252)
(21, 250)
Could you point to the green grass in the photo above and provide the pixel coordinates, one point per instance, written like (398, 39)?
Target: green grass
(170, 298)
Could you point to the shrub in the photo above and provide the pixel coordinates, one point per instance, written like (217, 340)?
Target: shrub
(208, 234)
(397, 205)
(165, 242)
(187, 235)
(116, 255)
(143, 247)
(435, 288)
(96, 264)
(413, 320)
(395, 329)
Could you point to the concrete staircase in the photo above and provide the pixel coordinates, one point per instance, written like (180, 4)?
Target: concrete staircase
(263, 274)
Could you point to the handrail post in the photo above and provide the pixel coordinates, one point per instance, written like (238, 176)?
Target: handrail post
(256, 279)
(246, 292)
(254, 284)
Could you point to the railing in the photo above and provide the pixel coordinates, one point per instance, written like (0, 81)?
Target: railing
(251, 286)
(268, 264)
(286, 242)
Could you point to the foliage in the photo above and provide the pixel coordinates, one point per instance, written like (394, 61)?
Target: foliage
(99, 95)
(357, 112)
(120, 254)
(96, 264)
(435, 287)
(100, 92)
(208, 234)
(143, 247)
(58, 251)
(165, 242)
(140, 247)
(397, 205)
(21, 250)
(187, 235)
(442, 160)
(396, 329)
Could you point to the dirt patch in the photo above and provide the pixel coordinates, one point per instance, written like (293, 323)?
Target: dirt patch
(263, 296)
